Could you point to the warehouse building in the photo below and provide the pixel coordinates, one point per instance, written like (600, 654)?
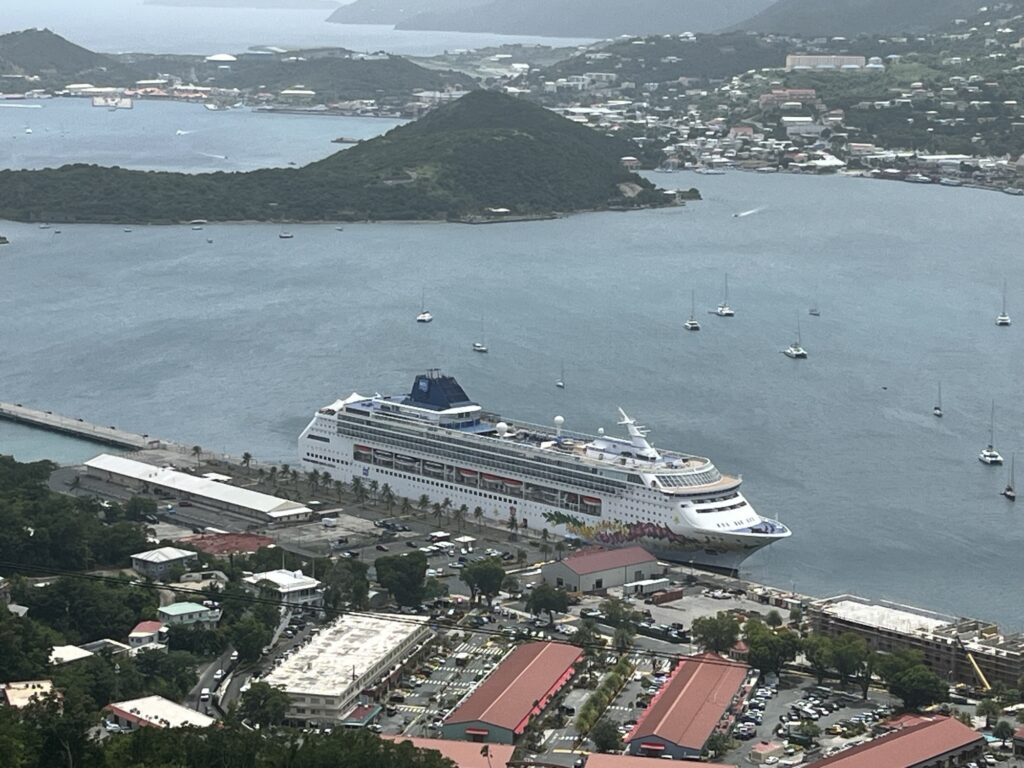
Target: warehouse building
(463, 754)
(918, 742)
(943, 641)
(210, 491)
(699, 698)
(325, 677)
(155, 712)
(519, 689)
(598, 570)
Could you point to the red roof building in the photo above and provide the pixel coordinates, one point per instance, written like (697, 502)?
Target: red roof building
(598, 569)
(691, 706)
(228, 543)
(519, 689)
(921, 742)
(598, 760)
(462, 753)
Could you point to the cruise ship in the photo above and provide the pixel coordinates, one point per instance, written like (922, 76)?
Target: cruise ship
(602, 489)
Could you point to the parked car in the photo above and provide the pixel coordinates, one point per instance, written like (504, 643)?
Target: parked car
(381, 548)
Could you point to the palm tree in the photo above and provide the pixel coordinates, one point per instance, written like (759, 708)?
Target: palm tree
(295, 478)
(446, 505)
(273, 474)
(438, 511)
(405, 509)
(339, 487)
(560, 549)
(544, 535)
(285, 468)
(459, 516)
(313, 476)
(545, 549)
(358, 490)
(388, 496)
(260, 474)
(325, 478)
(374, 490)
(246, 459)
(478, 515)
(423, 503)
(198, 453)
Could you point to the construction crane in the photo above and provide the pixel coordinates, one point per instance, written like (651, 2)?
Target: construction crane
(985, 686)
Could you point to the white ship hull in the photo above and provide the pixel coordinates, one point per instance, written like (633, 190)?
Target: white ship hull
(711, 526)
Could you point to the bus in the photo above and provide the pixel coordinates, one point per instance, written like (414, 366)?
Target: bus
(437, 536)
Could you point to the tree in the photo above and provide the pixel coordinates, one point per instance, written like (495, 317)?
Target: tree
(1003, 731)
(198, 453)
(716, 634)
(545, 598)
(622, 639)
(246, 459)
(359, 490)
(405, 508)
(459, 516)
(478, 515)
(818, 652)
(423, 503)
(484, 578)
(388, 497)
(848, 655)
(403, 576)
(511, 585)
(989, 709)
(605, 735)
(718, 744)
(773, 619)
(264, 704)
(559, 548)
(618, 612)
(918, 687)
(249, 637)
(770, 651)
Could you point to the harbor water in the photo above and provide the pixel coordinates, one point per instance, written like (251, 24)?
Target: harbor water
(233, 344)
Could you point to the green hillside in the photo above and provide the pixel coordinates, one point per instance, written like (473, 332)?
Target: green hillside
(485, 150)
(33, 51)
(814, 18)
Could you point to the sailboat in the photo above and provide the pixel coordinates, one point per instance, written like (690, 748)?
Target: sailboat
(561, 379)
(795, 350)
(1003, 318)
(692, 324)
(937, 409)
(990, 455)
(480, 346)
(1009, 491)
(723, 309)
(424, 316)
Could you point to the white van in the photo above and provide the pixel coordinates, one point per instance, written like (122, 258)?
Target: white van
(204, 695)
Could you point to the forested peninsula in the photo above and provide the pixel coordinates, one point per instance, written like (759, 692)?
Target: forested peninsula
(485, 151)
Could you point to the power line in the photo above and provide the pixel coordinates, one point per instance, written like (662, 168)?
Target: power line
(336, 613)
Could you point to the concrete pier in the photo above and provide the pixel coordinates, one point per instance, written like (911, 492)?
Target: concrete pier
(75, 427)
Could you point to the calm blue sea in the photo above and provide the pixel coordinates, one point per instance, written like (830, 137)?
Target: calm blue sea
(234, 344)
(121, 26)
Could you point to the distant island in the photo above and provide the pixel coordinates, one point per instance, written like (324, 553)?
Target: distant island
(565, 18)
(486, 156)
(257, 4)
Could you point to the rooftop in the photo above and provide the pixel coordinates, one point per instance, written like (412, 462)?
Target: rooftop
(465, 754)
(598, 760)
(918, 742)
(65, 654)
(506, 698)
(180, 609)
(163, 555)
(199, 487)
(692, 702)
(146, 628)
(342, 652)
(595, 561)
(228, 543)
(159, 712)
(22, 694)
(881, 616)
(284, 580)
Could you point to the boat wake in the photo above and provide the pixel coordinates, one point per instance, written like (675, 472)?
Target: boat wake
(744, 214)
(180, 132)
(215, 157)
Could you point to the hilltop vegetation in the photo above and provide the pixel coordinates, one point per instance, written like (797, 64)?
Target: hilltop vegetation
(485, 150)
(814, 18)
(565, 18)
